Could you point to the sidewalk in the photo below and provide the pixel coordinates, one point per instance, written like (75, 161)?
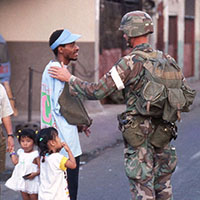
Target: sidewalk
(104, 134)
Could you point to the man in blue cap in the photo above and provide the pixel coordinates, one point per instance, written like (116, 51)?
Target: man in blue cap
(63, 44)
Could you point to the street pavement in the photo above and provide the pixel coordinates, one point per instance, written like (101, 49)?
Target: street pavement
(104, 134)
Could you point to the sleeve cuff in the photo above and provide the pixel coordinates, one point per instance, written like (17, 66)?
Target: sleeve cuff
(72, 79)
(62, 163)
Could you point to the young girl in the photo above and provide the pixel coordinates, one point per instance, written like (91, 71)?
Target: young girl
(53, 165)
(27, 166)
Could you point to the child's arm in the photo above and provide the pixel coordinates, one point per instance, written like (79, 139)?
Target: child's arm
(13, 156)
(71, 162)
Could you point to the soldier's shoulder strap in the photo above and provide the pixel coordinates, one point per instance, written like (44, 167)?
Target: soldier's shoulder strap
(150, 55)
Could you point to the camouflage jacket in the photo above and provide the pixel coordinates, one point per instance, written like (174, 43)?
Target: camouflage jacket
(130, 69)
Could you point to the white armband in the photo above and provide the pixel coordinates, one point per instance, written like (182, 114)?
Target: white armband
(72, 78)
(116, 78)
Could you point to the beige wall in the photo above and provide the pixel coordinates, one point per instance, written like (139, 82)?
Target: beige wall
(197, 39)
(34, 20)
(174, 6)
(27, 24)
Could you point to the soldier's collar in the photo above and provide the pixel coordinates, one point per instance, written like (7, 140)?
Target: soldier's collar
(142, 47)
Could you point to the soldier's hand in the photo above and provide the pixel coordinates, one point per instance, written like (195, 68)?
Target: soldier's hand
(60, 73)
(84, 129)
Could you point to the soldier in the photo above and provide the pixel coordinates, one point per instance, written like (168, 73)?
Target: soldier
(154, 93)
(5, 112)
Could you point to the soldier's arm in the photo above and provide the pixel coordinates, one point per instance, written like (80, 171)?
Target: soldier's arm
(92, 91)
(126, 72)
(115, 79)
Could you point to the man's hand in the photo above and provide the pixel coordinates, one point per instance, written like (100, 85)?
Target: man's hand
(61, 74)
(84, 129)
(87, 131)
(10, 146)
(8, 126)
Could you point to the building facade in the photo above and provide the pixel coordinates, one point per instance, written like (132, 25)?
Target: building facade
(27, 25)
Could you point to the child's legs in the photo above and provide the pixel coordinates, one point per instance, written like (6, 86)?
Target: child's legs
(33, 196)
(26, 196)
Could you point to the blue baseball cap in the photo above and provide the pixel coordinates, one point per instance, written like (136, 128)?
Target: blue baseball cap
(66, 37)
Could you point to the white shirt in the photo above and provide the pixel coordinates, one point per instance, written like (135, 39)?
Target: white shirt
(5, 107)
(53, 184)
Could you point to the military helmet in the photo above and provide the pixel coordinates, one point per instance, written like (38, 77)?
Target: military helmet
(136, 23)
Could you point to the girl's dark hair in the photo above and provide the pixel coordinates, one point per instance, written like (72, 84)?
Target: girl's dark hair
(54, 36)
(27, 133)
(43, 137)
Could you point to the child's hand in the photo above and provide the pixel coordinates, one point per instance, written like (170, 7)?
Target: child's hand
(12, 149)
(71, 162)
(13, 156)
(65, 146)
(31, 176)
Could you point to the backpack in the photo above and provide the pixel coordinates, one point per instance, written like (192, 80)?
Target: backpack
(164, 93)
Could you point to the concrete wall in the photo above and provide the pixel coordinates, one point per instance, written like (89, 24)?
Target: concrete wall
(197, 40)
(177, 8)
(22, 20)
(27, 25)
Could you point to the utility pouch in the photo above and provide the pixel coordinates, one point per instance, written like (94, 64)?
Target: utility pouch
(134, 130)
(72, 109)
(153, 97)
(174, 105)
(189, 96)
(163, 134)
(133, 134)
(154, 94)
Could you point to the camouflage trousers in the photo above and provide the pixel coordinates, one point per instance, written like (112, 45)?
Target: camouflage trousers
(2, 151)
(149, 171)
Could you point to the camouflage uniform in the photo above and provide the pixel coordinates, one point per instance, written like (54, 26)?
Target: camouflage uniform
(149, 171)
(148, 168)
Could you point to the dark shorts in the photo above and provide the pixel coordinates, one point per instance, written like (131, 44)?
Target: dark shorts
(2, 151)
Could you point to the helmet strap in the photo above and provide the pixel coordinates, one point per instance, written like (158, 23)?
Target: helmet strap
(128, 43)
